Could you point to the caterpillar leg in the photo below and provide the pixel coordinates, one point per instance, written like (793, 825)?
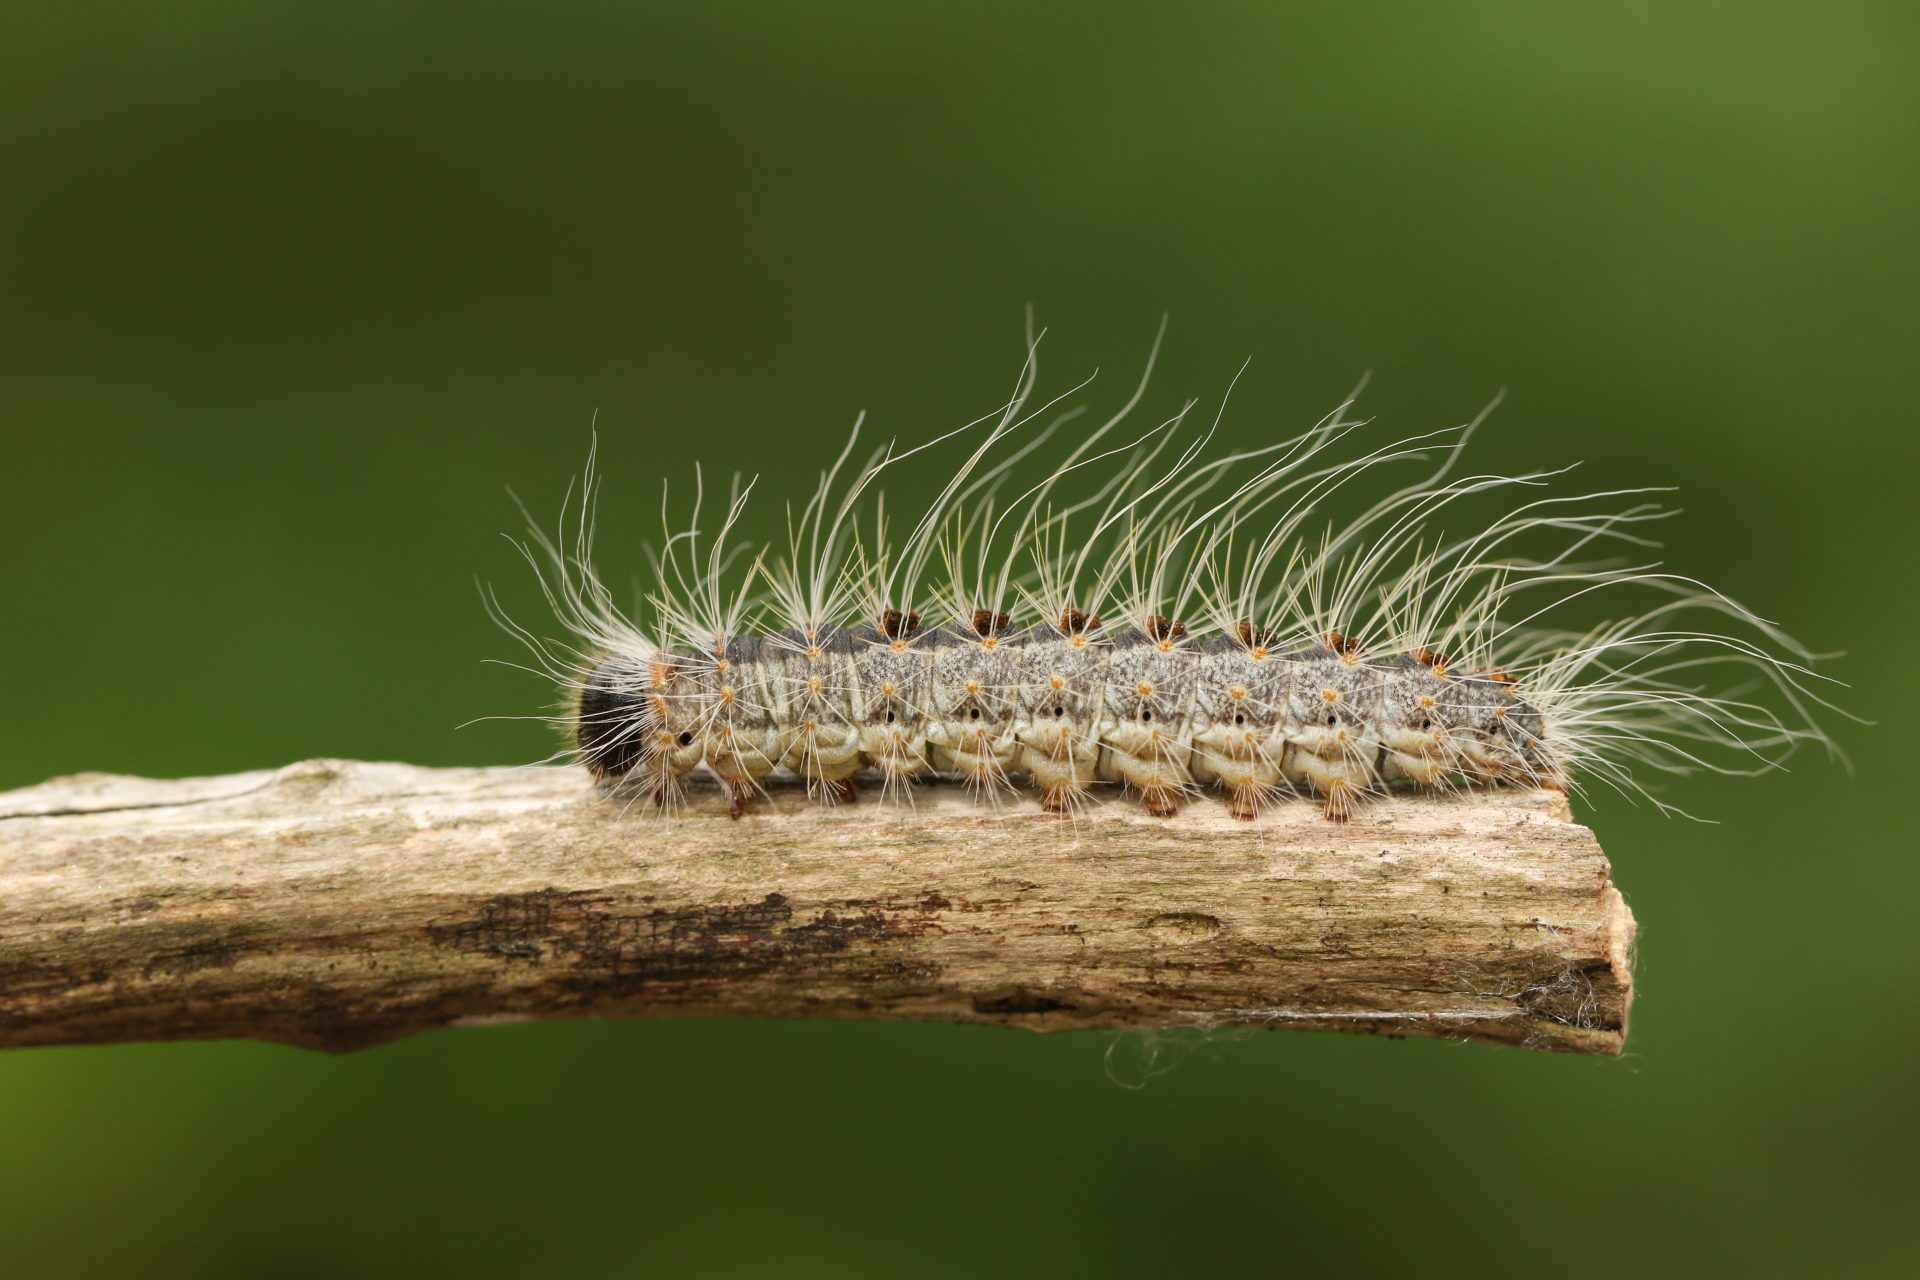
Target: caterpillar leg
(898, 765)
(1340, 796)
(1339, 779)
(1152, 763)
(741, 759)
(1161, 790)
(1424, 771)
(898, 757)
(826, 756)
(1160, 801)
(1242, 762)
(981, 760)
(663, 790)
(1245, 800)
(1061, 765)
(1061, 797)
(1064, 783)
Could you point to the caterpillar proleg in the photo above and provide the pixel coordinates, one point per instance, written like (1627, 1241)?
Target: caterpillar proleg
(1119, 604)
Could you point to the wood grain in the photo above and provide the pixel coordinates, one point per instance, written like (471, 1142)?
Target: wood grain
(336, 905)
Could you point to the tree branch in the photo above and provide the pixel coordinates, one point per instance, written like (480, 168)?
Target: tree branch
(338, 905)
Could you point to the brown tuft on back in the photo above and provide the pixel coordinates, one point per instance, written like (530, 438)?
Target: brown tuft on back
(986, 622)
(1252, 637)
(1075, 623)
(1162, 628)
(895, 625)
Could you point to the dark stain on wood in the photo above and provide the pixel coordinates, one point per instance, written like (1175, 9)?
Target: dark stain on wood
(213, 953)
(611, 947)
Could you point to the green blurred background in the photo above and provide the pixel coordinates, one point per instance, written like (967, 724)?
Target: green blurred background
(289, 294)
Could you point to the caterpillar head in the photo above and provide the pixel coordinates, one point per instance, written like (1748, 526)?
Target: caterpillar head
(615, 724)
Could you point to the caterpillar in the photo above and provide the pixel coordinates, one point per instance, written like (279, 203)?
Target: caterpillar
(1125, 606)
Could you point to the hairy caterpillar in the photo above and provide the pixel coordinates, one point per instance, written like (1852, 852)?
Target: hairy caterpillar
(1136, 611)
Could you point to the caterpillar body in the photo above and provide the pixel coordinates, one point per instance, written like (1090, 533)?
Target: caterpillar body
(1147, 615)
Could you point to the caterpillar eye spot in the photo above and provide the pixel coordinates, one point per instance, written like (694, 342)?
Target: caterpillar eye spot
(973, 713)
(889, 717)
(1058, 712)
(685, 739)
(1240, 719)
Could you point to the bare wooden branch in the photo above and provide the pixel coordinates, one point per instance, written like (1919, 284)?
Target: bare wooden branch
(337, 905)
